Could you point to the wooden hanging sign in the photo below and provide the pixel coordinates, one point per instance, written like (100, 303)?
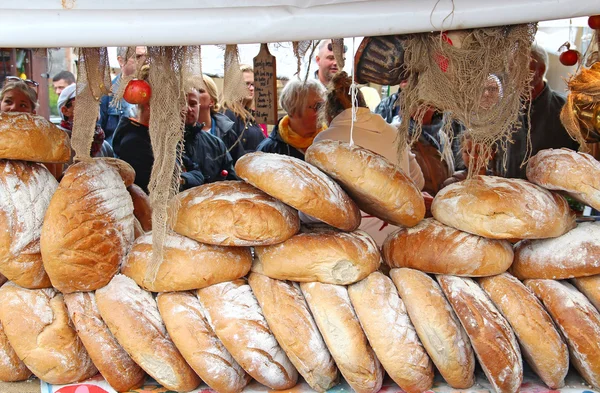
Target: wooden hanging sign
(265, 86)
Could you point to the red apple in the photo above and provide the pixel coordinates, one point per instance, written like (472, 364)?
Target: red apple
(594, 21)
(137, 92)
(569, 57)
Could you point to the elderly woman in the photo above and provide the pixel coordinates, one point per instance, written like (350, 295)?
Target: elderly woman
(18, 96)
(297, 130)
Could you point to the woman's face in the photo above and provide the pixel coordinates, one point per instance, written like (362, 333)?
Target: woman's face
(16, 101)
(310, 115)
(204, 100)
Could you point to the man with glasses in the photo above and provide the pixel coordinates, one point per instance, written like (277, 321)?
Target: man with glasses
(326, 62)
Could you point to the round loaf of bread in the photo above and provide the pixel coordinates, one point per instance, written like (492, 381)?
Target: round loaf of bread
(574, 254)
(125, 170)
(437, 326)
(392, 336)
(32, 138)
(578, 174)
(541, 344)
(186, 264)
(590, 287)
(578, 321)
(323, 255)
(362, 173)
(38, 328)
(233, 213)
(88, 227)
(331, 307)
(115, 365)
(198, 344)
(500, 208)
(300, 185)
(142, 210)
(132, 316)
(433, 247)
(289, 319)
(236, 318)
(491, 336)
(25, 192)
(12, 369)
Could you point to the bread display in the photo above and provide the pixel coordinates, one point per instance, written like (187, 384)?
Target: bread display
(384, 319)
(499, 208)
(38, 328)
(590, 287)
(25, 192)
(236, 318)
(491, 336)
(88, 227)
(332, 310)
(362, 173)
(125, 170)
(574, 254)
(132, 316)
(293, 326)
(198, 344)
(141, 206)
(438, 327)
(300, 185)
(433, 247)
(233, 213)
(186, 264)
(577, 174)
(541, 343)
(578, 321)
(12, 368)
(32, 138)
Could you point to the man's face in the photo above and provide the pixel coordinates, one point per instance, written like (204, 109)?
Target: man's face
(68, 109)
(134, 62)
(327, 64)
(193, 108)
(249, 80)
(59, 86)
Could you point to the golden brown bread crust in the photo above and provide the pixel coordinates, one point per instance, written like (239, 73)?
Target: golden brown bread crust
(574, 254)
(332, 310)
(115, 365)
(541, 343)
(499, 208)
(464, 254)
(38, 328)
(186, 265)
(132, 316)
(198, 344)
(141, 206)
(578, 174)
(578, 321)
(362, 173)
(438, 327)
(32, 138)
(300, 185)
(12, 369)
(392, 336)
(590, 287)
(289, 319)
(88, 227)
(125, 170)
(233, 213)
(491, 336)
(324, 255)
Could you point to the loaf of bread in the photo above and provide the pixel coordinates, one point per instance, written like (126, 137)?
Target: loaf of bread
(541, 344)
(12, 369)
(88, 227)
(141, 206)
(38, 328)
(491, 336)
(125, 170)
(233, 213)
(200, 347)
(293, 326)
(32, 138)
(321, 254)
(392, 336)
(115, 365)
(578, 321)
(590, 287)
(300, 185)
(186, 264)
(132, 316)
(574, 254)
(437, 326)
(331, 307)
(500, 208)
(577, 174)
(362, 173)
(25, 192)
(236, 318)
(433, 247)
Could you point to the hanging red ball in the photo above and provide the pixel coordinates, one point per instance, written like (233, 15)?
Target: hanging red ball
(594, 22)
(569, 57)
(137, 92)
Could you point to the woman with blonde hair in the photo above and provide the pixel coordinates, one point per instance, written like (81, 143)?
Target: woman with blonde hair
(18, 95)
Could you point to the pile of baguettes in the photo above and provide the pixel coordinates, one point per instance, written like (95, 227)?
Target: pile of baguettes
(315, 302)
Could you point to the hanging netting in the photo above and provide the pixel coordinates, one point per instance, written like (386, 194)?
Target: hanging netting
(337, 46)
(478, 77)
(300, 48)
(93, 81)
(234, 87)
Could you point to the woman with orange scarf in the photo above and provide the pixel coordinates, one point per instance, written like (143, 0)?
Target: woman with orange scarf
(297, 130)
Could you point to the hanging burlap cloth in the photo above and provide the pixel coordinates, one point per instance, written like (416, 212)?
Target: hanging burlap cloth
(234, 87)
